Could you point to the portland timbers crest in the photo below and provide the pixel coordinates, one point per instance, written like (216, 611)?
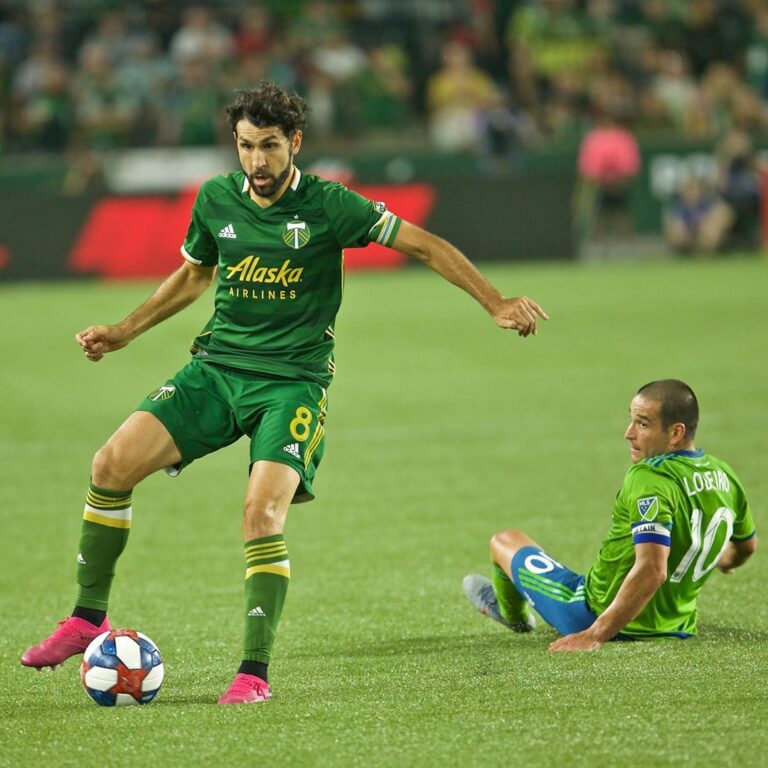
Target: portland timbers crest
(296, 234)
(163, 393)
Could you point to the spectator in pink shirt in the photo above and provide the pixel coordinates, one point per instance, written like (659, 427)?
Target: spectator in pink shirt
(609, 159)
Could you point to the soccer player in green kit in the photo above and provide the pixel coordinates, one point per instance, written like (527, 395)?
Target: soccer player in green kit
(680, 514)
(272, 238)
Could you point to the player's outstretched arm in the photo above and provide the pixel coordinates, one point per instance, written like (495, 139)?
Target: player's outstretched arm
(177, 291)
(647, 574)
(519, 313)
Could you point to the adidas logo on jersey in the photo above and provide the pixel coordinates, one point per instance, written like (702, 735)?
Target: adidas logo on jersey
(256, 611)
(293, 449)
(228, 231)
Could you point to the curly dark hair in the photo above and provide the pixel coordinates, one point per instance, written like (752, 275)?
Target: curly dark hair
(269, 105)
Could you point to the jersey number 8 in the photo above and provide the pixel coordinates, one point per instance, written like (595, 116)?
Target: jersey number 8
(299, 425)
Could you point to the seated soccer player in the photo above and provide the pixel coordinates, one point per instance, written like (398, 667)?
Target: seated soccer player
(680, 514)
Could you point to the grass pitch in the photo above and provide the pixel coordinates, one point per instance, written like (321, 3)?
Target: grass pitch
(442, 430)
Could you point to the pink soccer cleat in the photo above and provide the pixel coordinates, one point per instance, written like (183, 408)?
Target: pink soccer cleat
(72, 637)
(246, 689)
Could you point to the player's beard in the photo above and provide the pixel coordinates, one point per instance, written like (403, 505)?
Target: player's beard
(277, 181)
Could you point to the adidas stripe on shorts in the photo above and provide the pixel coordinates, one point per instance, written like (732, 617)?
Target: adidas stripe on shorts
(556, 592)
(206, 407)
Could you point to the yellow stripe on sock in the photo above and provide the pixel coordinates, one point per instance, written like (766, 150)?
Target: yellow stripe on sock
(266, 545)
(115, 514)
(279, 548)
(108, 497)
(112, 522)
(276, 568)
(97, 500)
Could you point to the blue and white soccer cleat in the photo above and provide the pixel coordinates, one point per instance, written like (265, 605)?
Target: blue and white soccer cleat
(479, 592)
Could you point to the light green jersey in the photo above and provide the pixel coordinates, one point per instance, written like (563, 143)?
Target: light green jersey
(280, 271)
(687, 500)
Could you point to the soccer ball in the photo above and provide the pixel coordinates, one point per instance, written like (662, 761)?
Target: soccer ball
(121, 666)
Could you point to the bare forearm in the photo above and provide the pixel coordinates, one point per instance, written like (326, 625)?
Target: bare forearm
(179, 290)
(449, 262)
(518, 313)
(647, 574)
(736, 554)
(638, 588)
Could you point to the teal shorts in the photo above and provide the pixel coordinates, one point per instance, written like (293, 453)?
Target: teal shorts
(206, 407)
(556, 592)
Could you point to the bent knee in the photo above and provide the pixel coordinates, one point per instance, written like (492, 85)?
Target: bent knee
(505, 544)
(110, 468)
(264, 516)
(505, 539)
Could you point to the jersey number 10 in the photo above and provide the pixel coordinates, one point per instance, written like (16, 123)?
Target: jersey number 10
(703, 548)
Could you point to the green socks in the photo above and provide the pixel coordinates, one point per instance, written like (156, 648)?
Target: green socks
(512, 605)
(106, 524)
(267, 573)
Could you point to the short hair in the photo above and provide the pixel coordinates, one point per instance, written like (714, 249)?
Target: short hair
(678, 403)
(268, 105)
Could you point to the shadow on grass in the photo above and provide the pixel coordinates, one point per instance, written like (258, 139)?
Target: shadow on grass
(428, 645)
(719, 632)
(486, 643)
(185, 701)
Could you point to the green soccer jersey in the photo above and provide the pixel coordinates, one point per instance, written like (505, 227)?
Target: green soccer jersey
(687, 500)
(280, 271)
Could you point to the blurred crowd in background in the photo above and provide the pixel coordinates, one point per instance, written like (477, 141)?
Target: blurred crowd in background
(497, 78)
(451, 74)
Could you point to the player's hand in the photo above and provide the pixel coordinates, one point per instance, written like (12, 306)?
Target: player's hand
(97, 340)
(578, 641)
(519, 314)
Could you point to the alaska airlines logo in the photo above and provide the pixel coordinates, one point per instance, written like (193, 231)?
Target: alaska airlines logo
(249, 271)
(296, 234)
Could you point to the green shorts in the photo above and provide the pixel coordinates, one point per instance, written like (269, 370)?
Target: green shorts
(206, 407)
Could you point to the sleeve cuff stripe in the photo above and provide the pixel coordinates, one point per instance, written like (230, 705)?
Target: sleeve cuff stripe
(380, 223)
(387, 231)
(188, 257)
(744, 538)
(393, 230)
(389, 224)
(651, 538)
